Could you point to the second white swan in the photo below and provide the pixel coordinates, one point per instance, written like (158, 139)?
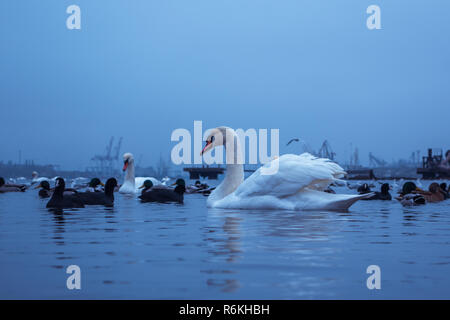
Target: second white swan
(131, 183)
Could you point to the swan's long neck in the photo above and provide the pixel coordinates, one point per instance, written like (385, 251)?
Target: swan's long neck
(234, 174)
(129, 177)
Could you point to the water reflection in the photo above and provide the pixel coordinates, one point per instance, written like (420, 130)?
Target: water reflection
(303, 236)
(58, 226)
(225, 246)
(410, 217)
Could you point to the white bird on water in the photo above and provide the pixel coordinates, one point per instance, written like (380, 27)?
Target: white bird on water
(36, 179)
(297, 184)
(131, 183)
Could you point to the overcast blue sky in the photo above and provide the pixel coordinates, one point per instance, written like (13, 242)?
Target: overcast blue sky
(142, 68)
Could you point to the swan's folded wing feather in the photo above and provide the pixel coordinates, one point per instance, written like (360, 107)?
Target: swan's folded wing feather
(294, 173)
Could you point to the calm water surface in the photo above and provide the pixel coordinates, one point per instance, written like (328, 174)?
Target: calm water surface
(155, 251)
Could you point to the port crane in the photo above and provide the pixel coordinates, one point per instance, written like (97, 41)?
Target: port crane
(325, 151)
(376, 162)
(105, 164)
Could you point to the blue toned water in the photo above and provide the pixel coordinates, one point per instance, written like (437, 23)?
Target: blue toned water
(155, 251)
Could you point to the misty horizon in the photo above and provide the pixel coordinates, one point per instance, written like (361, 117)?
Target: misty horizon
(344, 158)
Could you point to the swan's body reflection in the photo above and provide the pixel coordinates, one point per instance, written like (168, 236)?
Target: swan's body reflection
(223, 247)
(228, 231)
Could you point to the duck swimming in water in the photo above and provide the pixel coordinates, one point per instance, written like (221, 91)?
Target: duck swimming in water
(409, 195)
(383, 194)
(444, 190)
(411, 199)
(409, 187)
(95, 185)
(100, 198)
(434, 193)
(45, 191)
(11, 187)
(163, 194)
(148, 184)
(61, 201)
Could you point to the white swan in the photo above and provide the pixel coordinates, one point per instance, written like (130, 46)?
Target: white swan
(298, 183)
(131, 183)
(36, 179)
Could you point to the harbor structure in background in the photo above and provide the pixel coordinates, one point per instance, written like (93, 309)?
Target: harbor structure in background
(435, 165)
(107, 165)
(326, 151)
(376, 162)
(212, 173)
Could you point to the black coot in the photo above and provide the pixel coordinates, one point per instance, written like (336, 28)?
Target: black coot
(61, 201)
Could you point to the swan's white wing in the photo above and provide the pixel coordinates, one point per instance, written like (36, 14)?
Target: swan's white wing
(294, 174)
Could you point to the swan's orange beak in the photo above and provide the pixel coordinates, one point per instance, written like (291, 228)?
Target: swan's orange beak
(125, 166)
(208, 146)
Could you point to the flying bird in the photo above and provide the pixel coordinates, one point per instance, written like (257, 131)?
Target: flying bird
(295, 139)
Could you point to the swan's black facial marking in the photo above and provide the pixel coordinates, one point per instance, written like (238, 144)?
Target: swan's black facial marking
(125, 165)
(208, 143)
(210, 140)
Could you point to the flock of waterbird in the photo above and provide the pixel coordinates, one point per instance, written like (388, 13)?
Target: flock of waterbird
(95, 193)
(300, 182)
